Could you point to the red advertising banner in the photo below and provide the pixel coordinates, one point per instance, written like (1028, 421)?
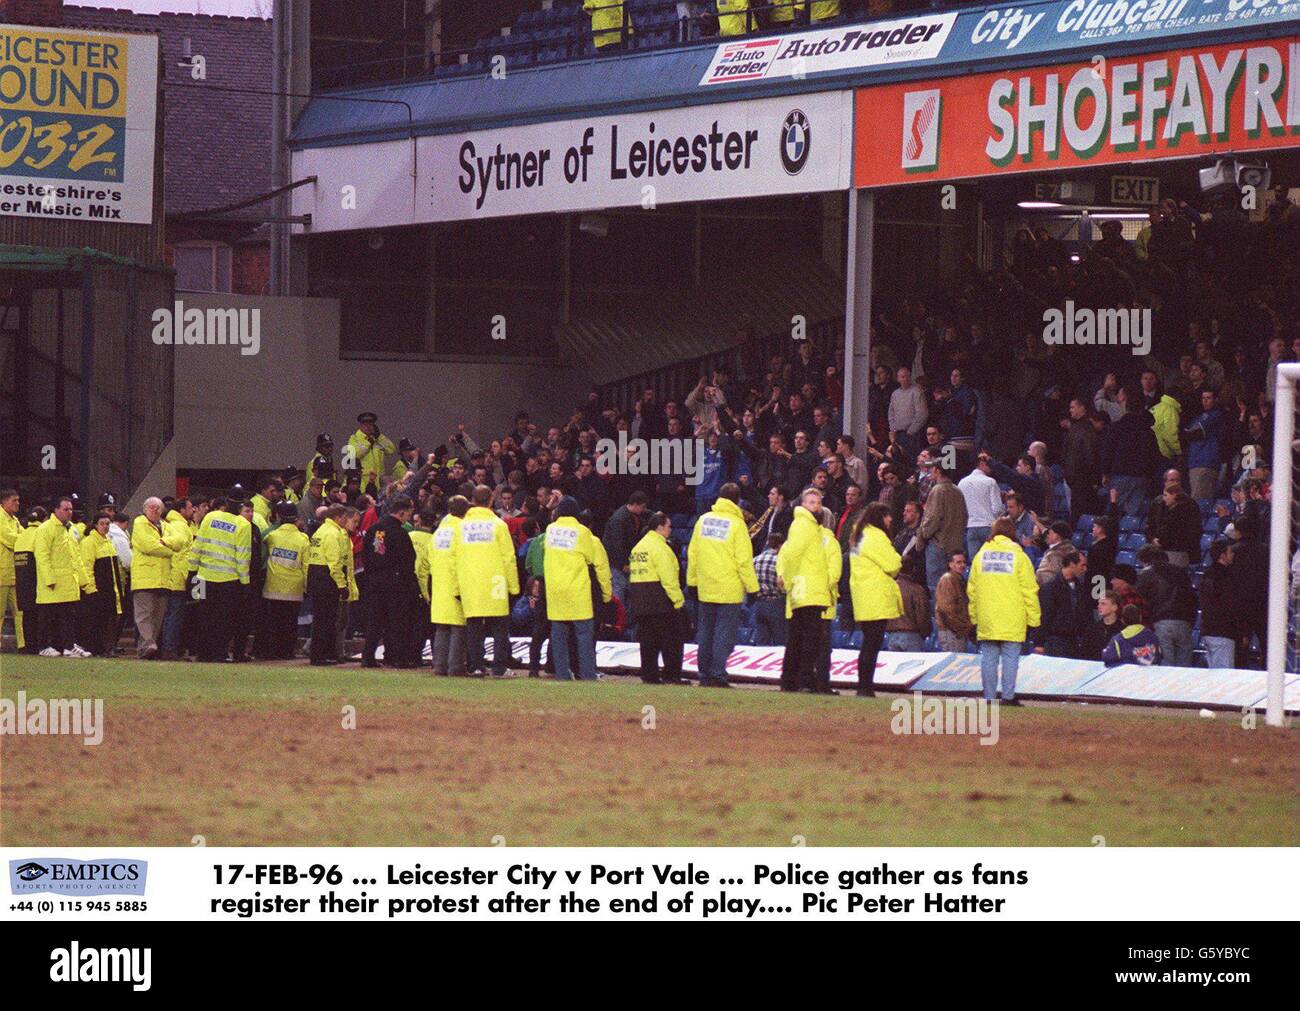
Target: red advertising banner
(1175, 104)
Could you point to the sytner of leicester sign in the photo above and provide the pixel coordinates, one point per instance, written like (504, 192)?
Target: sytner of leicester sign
(713, 152)
(77, 123)
(1173, 104)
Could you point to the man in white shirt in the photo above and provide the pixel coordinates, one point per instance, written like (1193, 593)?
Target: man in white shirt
(907, 414)
(983, 503)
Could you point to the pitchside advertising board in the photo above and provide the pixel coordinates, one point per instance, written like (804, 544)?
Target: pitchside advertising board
(714, 152)
(1176, 104)
(77, 117)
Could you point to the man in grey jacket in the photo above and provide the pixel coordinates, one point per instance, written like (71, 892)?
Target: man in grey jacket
(943, 526)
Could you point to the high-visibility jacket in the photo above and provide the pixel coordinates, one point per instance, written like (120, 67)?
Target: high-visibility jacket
(287, 549)
(872, 567)
(25, 566)
(261, 506)
(734, 17)
(261, 522)
(1003, 592)
(291, 496)
(1166, 414)
(570, 549)
(350, 571)
(444, 601)
(720, 557)
(368, 457)
(322, 466)
(178, 534)
(10, 528)
(59, 572)
(223, 549)
(810, 572)
(420, 541)
(821, 9)
(151, 555)
(99, 559)
(485, 565)
(328, 559)
(654, 577)
(607, 24)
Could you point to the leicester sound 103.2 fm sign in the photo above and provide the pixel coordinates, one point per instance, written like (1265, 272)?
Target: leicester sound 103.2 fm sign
(77, 119)
(1176, 104)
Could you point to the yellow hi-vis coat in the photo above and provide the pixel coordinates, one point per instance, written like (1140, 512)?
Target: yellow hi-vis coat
(420, 542)
(444, 603)
(287, 549)
(809, 571)
(369, 457)
(59, 572)
(223, 549)
(151, 555)
(606, 25)
(653, 561)
(178, 534)
(331, 549)
(720, 557)
(1003, 592)
(94, 547)
(821, 9)
(485, 565)
(1166, 414)
(570, 549)
(733, 18)
(9, 530)
(872, 567)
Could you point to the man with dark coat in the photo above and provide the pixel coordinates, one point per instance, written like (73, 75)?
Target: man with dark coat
(390, 583)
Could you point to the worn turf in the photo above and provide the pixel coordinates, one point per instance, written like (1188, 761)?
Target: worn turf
(260, 755)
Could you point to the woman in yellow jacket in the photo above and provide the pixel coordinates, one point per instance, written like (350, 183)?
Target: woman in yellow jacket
(445, 611)
(655, 600)
(804, 569)
(876, 598)
(59, 579)
(101, 600)
(1003, 594)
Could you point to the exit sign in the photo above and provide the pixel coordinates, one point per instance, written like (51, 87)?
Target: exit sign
(1134, 190)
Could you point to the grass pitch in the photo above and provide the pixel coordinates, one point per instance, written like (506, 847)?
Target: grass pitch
(259, 755)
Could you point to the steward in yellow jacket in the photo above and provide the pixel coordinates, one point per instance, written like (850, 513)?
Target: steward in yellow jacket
(785, 10)
(10, 528)
(570, 553)
(444, 602)
(151, 555)
(59, 572)
(287, 551)
(808, 566)
(1166, 412)
(329, 564)
(486, 570)
(720, 557)
(421, 535)
(873, 566)
(102, 600)
(25, 577)
(178, 534)
(655, 601)
(734, 18)
(1003, 590)
(607, 22)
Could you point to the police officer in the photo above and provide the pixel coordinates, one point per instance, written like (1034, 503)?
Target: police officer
(249, 617)
(293, 480)
(322, 464)
(220, 562)
(720, 565)
(368, 450)
(656, 602)
(390, 581)
(488, 575)
(421, 628)
(25, 577)
(328, 566)
(287, 548)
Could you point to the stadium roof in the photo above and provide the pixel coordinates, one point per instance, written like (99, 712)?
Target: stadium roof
(980, 38)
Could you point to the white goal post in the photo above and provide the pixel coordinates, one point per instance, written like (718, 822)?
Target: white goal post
(1281, 510)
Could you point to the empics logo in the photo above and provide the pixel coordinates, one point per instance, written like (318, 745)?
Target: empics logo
(796, 142)
(922, 112)
(65, 876)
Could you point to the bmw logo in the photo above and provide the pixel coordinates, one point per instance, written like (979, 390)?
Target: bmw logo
(796, 142)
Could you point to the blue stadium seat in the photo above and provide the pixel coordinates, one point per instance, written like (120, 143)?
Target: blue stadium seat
(841, 640)
(1210, 525)
(1206, 541)
(1080, 540)
(1206, 505)
(1132, 541)
(1130, 524)
(1085, 523)
(1126, 558)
